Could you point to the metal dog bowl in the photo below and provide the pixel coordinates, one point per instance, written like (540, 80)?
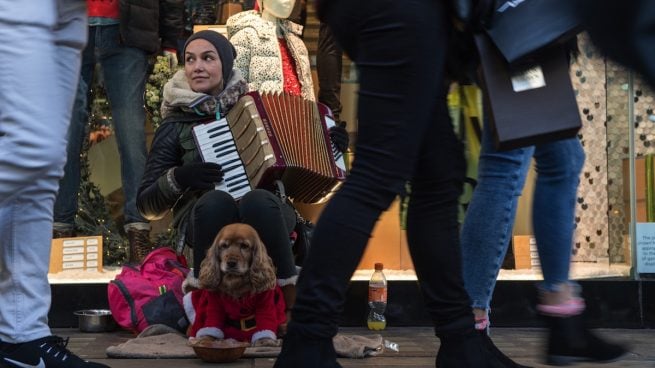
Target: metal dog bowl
(95, 320)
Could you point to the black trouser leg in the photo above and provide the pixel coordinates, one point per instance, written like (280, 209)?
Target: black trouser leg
(210, 213)
(399, 49)
(274, 221)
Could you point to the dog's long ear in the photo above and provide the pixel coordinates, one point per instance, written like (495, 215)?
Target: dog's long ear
(210, 268)
(262, 270)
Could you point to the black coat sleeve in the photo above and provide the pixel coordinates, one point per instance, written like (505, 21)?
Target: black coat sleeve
(156, 196)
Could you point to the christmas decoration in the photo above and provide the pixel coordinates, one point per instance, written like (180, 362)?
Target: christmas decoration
(161, 73)
(93, 217)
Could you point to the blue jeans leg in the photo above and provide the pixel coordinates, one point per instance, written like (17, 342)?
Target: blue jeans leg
(40, 60)
(490, 216)
(125, 72)
(553, 210)
(66, 204)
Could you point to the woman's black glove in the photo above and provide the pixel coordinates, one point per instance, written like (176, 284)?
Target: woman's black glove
(339, 136)
(198, 175)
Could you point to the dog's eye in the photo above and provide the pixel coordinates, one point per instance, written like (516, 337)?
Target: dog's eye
(224, 245)
(244, 245)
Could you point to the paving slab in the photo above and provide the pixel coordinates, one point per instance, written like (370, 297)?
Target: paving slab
(417, 349)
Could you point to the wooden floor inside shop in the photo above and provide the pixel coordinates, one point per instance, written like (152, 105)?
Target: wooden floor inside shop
(417, 348)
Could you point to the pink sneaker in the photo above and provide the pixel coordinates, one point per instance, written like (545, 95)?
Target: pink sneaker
(571, 307)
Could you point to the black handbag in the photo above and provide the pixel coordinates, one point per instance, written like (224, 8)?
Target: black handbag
(521, 27)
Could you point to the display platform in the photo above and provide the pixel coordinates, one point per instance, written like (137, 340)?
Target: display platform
(612, 302)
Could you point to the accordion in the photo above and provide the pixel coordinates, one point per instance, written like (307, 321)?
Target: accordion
(274, 137)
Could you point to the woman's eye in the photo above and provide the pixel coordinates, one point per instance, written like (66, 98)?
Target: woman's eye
(209, 58)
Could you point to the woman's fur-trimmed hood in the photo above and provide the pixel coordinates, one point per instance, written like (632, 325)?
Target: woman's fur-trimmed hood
(178, 96)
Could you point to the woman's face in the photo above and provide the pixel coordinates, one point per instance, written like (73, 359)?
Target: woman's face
(202, 67)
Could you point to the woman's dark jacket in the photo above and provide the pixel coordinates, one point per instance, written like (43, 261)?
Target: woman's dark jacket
(174, 146)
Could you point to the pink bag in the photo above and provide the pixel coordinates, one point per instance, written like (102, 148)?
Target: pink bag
(150, 293)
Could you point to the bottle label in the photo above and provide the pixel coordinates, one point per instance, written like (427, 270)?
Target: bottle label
(377, 294)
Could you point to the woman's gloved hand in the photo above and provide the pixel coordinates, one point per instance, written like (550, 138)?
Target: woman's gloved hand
(339, 136)
(198, 175)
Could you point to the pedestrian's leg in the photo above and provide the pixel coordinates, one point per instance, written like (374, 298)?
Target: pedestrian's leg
(66, 204)
(39, 75)
(488, 226)
(125, 72)
(395, 100)
(569, 340)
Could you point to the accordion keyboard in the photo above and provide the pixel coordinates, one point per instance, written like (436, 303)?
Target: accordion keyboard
(216, 145)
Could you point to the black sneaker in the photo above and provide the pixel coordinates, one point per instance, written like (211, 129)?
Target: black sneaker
(46, 352)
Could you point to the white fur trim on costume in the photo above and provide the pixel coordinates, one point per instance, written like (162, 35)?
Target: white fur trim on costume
(188, 308)
(210, 331)
(263, 334)
(290, 281)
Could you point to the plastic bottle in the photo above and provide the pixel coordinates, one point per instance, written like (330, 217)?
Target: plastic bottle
(377, 299)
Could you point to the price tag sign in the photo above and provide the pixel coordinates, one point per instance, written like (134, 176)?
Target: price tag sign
(645, 243)
(528, 79)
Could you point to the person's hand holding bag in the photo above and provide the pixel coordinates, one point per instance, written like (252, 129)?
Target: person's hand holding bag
(198, 175)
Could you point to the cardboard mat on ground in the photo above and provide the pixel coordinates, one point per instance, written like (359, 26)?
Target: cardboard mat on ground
(162, 342)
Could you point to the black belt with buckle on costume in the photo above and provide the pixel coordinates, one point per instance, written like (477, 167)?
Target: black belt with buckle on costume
(244, 324)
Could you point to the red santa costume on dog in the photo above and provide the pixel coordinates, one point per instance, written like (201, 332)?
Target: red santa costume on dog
(250, 318)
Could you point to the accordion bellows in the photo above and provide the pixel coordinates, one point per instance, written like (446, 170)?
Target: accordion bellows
(281, 137)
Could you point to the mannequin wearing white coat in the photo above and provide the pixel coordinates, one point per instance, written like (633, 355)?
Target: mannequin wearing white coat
(258, 37)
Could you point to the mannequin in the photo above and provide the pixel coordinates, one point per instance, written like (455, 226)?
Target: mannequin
(270, 53)
(272, 10)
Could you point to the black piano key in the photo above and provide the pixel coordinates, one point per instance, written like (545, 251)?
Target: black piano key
(222, 152)
(231, 164)
(223, 142)
(215, 129)
(239, 182)
(238, 177)
(240, 188)
(230, 168)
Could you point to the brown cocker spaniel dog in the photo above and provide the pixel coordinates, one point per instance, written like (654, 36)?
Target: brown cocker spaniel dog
(237, 264)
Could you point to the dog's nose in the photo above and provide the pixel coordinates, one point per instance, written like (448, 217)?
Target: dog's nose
(231, 264)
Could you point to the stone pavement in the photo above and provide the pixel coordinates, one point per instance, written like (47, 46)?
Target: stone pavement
(417, 349)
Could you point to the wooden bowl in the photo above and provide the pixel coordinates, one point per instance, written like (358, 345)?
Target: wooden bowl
(220, 351)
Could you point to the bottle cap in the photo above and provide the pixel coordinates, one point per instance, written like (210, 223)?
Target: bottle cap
(379, 266)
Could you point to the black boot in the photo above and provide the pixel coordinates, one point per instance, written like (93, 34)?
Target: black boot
(493, 349)
(569, 341)
(140, 246)
(300, 351)
(466, 348)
